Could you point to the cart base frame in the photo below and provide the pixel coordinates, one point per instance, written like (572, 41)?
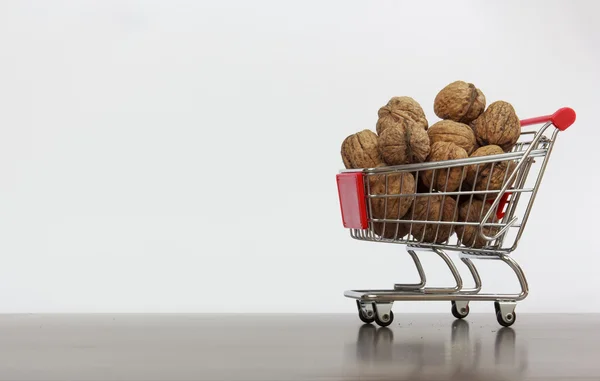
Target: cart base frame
(376, 305)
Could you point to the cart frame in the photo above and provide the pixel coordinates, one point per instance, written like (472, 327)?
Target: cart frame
(358, 201)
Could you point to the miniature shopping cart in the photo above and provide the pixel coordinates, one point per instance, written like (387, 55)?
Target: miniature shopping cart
(493, 217)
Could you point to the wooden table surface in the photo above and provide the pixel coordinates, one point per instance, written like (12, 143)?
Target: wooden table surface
(297, 347)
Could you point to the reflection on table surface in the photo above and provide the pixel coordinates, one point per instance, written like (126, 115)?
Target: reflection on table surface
(453, 353)
(298, 347)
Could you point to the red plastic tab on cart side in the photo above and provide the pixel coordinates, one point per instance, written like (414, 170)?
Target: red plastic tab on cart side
(500, 212)
(351, 193)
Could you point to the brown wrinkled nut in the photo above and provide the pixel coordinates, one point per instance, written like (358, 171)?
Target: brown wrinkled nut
(389, 230)
(441, 151)
(421, 187)
(396, 206)
(459, 101)
(403, 143)
(360, 150)
(433, 208)
(498, 125)
(483, 178)
(398, 109)
(468, 235)
(454, 132)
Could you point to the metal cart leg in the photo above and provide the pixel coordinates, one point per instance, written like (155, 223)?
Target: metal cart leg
(413, 286)
(520, 276)
(504, 307)
(433, 290)
(455, 274)
(460, 308)
(418, 286)
(471, 266)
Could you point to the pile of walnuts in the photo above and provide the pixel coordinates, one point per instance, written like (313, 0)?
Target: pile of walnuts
(468, 127)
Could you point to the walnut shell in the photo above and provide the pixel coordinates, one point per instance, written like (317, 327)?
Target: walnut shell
(459, 101)
(441, 151)
(396, 206)
(404, 143)
(398, 109)
(468, 235)
(481, 177)
(421, 187)
(498, 125)
(433, 208)
(360, 150)
(454, 132)
(389, 230)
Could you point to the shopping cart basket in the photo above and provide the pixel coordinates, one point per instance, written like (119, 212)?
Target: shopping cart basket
(483, 218)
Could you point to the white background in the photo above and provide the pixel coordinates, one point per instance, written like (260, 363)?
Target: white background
(180, 156)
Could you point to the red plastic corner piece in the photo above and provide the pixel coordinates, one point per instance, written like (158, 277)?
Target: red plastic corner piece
(563, 118)
(351, 193)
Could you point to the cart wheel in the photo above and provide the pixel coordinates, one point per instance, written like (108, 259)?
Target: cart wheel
(508, 320)
(506, 316)
(462, 312)
(387, 322)
(384, 320)
(364, 317)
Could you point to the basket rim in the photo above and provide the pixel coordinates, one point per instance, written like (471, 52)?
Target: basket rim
(447, 163)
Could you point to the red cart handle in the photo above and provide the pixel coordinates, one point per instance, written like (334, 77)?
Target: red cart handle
(563, 118)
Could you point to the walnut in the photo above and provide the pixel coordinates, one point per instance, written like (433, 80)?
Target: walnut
(398, 109)
(404, 143)
(468, 235)
(433, 208)
(421, 187)
(397, 206)
(498, 125)
(454, 132)
(441, 151)
(481, 177)
(459, 101)
(360, 150)
(389, 230)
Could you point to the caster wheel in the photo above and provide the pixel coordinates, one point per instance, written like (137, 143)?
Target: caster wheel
(505, 313)
(364, 317)
(383, 322)
(460, 313)
(508, 320)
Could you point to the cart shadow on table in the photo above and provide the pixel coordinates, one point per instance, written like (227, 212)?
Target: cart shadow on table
(452, 353)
